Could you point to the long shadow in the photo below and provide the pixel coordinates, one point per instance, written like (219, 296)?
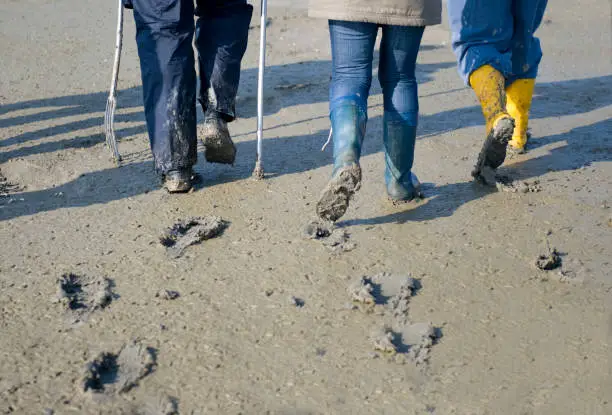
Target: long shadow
(285, 88)
(585, 145)
(284, 155)
(298, 154)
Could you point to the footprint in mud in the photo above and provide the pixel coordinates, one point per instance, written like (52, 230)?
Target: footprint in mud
(185, 233)
(392, 293)
(335, 239)
(83, 295)
(412, 341)
(165, 405)
(110, 374)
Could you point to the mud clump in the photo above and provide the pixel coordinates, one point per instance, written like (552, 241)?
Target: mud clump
(167, 294)
(361, 291)
(318, 229)
(489, 177)
(506, 184)
(399, 303)
(548, 262)
(297, 302)
(383, 341)
(335, 239)
(82, 295)
(192, 231)
(110, 374)
(6, 187)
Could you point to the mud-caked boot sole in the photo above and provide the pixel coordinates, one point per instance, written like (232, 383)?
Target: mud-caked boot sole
(175, 182)
(493, 152)
(336, 195)
(218, 143)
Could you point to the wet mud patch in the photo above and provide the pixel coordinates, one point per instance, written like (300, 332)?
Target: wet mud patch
(111, 374)
(337, 240)
(83, 295)
(192, 231)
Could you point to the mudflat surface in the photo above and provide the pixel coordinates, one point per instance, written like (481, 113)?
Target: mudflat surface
(265, 320)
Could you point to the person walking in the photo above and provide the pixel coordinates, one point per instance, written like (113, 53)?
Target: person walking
(353, 28)
(498, 56)
(164, 35)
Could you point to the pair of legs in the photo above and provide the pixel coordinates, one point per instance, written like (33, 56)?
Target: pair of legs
(164, 36)
(352, 45)
(498, 56)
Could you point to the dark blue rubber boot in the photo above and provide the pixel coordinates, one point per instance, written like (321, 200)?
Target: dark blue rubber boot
(399, 138)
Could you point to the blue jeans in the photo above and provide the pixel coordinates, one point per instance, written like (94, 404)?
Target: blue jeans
(498, 33)
(164, 36)
(352, 45)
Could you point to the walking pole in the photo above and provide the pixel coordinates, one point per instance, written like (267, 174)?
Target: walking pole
(111, 103)
(258, 173)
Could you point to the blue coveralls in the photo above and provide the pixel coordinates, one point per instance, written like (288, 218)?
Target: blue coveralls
(499, 33)
(164, 36)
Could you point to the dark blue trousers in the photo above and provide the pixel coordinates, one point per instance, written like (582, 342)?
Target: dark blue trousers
(499, 33)
(164, 35)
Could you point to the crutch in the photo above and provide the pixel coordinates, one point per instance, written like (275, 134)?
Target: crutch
(111, 103)
(258, 172)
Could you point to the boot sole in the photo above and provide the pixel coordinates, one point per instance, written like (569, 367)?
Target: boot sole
(493, 152)
(335, 197)
(177, 186)
(219, 149)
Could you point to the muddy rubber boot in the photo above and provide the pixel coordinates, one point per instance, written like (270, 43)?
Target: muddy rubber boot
(488, 84)
(399, 139)
(217, 141)
(519, 95)
(178, 181)
(348, 130)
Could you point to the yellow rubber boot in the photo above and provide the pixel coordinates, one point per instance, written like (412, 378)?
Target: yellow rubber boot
(489, 85)
(519, 95)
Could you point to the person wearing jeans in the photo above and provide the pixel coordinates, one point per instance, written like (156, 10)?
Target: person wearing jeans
(353, 27)
(164, 35)
(498, 56)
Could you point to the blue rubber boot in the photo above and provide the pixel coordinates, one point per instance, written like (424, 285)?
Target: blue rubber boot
(399, 139)
(348, 121)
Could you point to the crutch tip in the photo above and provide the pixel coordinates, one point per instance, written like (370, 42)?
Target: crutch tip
(258, 172)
